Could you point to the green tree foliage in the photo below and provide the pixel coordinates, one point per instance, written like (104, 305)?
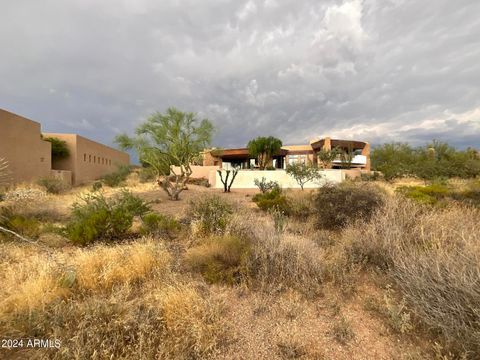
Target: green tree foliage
(59, 148)
(303, 173)
(326, 157)
(263, 148)
(172, 139)
(433, 161)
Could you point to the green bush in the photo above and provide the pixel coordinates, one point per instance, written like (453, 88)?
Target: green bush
(19, 223)
(53, 185)
(435, 160)
(96, 186)
(99, 218)
(429, 195)
(159, 224)
(210, 213)
(338, 205)
(220, 259)
(118, 177)
(272, 199)
(264, 185)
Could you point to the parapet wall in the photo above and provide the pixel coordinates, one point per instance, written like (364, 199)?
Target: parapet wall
(246, 179)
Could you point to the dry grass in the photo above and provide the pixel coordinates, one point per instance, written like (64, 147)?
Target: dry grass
(131, 300)
(282, 261)
(101, 267)
(434, 258)
(193, 325)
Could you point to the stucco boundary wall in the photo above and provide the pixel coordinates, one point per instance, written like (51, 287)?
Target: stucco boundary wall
(246, 179)
(199, 172)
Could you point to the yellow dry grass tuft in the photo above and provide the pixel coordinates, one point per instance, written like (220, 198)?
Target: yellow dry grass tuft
(102, 267)
(193, 324)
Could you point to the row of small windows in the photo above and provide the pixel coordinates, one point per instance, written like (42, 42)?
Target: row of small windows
(97, 159)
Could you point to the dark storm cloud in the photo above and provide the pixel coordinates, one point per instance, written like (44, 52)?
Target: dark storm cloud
(387, 70)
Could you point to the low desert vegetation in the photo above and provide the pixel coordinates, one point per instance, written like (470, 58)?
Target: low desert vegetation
(96, 217)
(118, 177)
(350, 263)
(433, 161)
(209, 214)
(53, 185)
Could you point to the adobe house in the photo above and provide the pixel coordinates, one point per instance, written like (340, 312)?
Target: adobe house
(29, 157)
(240, 157)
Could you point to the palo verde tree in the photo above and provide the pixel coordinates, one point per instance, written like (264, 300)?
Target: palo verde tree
(303, 173)
(263, 149)
(167, 140)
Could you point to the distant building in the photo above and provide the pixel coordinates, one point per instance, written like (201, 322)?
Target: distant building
(240, 157)
(29, 156)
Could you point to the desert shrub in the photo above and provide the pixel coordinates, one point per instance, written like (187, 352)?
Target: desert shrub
(338, 205)
(147, 174)
(96, 186)
(432, 255)
(470, 195)
(279, 219)
(272, 199)
(159, 224)
(300, 204)
(199, 181)
(21, 224)
(220, 259)
(96, 217)
(264, 185)
(429, 194)
(117, 177)
(53, 185)
(370, 176)
(342, 331)
(281, 261)
(210, 214)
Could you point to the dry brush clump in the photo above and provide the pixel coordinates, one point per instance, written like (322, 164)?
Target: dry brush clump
(433, 255)
(121, 301)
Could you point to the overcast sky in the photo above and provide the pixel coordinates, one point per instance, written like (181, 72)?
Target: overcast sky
(373, 70)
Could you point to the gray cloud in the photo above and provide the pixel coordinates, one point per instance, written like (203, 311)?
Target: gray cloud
(376, 70)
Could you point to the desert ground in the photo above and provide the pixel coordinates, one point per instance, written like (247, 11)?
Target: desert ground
(254, 285)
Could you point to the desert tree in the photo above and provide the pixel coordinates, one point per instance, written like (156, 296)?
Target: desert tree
(226, 183)
(326, 157)
(346, 157)
(165, 141)
(263, 149)
(303, 173)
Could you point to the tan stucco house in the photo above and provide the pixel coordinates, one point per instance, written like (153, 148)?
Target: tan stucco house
(240, 157)
(29, 156)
